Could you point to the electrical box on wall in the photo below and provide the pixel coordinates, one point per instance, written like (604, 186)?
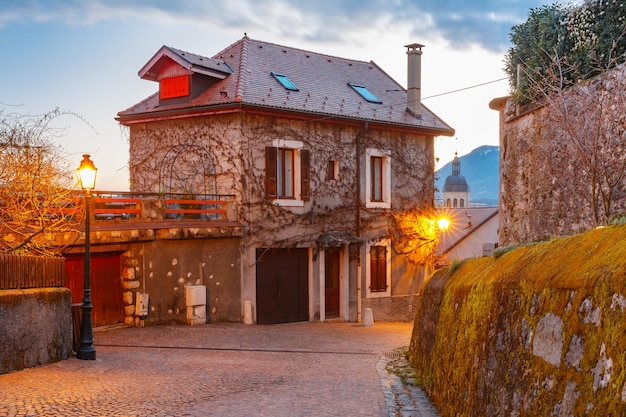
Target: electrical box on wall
(141, 309)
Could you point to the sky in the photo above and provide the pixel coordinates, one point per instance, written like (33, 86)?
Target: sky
(83, 56)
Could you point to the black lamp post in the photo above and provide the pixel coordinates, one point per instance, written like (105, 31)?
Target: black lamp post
(87, 176)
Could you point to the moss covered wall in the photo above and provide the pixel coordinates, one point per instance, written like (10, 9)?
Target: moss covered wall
(35, 327)
(538, 331)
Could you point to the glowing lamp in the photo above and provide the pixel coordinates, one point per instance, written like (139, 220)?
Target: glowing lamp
(443, 223)
(87, 173)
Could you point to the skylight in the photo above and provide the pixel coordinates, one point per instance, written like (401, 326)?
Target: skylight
(284, 81)
(365, 93)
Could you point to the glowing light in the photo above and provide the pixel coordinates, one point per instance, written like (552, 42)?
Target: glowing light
(443, 223)
(87, 173)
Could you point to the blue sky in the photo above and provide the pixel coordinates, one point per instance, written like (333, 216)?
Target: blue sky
(83, 56)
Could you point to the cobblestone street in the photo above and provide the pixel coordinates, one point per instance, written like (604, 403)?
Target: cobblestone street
(300, 369)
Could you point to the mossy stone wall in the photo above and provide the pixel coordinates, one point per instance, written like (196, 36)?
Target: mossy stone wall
(35, 327)
(538, 331)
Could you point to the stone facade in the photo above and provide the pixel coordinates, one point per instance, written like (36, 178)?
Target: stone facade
(237, 145)
(550, 161)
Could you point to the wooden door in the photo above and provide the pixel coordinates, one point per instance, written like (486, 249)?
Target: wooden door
(332, 261)
(282, 294)
(106, 286)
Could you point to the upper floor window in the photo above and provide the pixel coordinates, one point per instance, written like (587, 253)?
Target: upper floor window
(376, 171)
(377, 179)
(287, 173)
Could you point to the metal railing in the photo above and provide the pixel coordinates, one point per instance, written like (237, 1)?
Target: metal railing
(22, 271)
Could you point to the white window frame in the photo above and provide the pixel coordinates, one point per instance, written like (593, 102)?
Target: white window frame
(297, 146)
(368, 271)
(386, 171)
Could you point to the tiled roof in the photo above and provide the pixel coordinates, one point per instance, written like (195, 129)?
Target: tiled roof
(322, 82)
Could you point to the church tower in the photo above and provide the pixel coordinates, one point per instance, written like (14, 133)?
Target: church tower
(456, 192)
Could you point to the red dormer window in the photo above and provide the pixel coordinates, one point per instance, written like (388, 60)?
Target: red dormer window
(174, 87)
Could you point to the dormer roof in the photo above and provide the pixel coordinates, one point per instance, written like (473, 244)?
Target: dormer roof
(167, 57)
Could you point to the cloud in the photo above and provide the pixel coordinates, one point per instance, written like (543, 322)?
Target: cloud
(460, 22)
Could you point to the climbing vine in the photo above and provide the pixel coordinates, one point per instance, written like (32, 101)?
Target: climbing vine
(236, 144)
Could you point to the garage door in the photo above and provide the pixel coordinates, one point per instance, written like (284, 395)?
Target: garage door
(282, 285)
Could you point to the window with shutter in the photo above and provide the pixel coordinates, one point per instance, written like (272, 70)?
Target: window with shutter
(378, 268)
(287, 173)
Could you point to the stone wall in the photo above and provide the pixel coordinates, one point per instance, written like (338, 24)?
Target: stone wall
(163, 268)
(538, 331)
(35, 327)
(561, 162)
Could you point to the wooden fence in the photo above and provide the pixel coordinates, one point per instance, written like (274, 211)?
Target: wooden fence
(19, 272)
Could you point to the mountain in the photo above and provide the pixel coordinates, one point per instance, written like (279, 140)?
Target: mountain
(480, 168)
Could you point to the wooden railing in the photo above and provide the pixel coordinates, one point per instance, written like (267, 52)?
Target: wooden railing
(149, 207)
(19, 272)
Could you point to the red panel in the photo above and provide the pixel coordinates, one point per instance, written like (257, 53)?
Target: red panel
(174, 87)
(106, 286)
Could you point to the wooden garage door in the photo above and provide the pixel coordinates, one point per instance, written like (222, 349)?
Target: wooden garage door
(282, 285)
(106, 286)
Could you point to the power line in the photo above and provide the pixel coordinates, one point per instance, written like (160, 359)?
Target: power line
(466, 88)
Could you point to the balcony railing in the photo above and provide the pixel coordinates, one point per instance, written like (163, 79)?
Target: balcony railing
(126, 206)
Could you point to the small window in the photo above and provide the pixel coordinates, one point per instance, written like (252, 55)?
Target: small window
(365, 93)
(332, 170)
(284, 81)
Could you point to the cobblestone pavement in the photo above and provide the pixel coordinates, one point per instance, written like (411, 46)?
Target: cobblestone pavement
(298, 369)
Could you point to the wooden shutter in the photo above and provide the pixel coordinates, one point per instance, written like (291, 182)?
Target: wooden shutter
(270, 172)
(378, 269)
(305, 175)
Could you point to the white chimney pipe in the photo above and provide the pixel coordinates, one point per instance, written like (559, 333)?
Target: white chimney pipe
(414, 82)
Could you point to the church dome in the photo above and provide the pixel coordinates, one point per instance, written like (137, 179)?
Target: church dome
(456, 182)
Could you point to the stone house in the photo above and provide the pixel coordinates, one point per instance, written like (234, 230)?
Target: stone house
(330, 163)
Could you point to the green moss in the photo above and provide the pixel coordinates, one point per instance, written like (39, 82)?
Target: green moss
(474, 329)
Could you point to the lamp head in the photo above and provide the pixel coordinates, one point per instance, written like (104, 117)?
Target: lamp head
(87, 173)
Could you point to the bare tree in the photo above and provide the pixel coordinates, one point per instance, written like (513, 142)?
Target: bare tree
(587, 128)
(36, 185)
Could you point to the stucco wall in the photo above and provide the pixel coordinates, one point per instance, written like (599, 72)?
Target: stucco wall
(35, 327)
(539, 331)
(163, 268)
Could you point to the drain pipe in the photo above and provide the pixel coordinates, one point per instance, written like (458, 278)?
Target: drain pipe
(359, 268)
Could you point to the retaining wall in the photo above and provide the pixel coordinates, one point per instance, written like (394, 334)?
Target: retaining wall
(538, 331)
(35, 327)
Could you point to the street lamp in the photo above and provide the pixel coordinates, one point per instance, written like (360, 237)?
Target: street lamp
(87, 176)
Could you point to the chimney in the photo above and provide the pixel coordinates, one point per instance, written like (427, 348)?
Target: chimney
(414, 82)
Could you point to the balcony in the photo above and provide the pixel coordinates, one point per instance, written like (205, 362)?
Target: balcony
(120, 207)
(126, 216)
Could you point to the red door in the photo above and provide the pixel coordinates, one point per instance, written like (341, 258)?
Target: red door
(332, 281)
(106, 286)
